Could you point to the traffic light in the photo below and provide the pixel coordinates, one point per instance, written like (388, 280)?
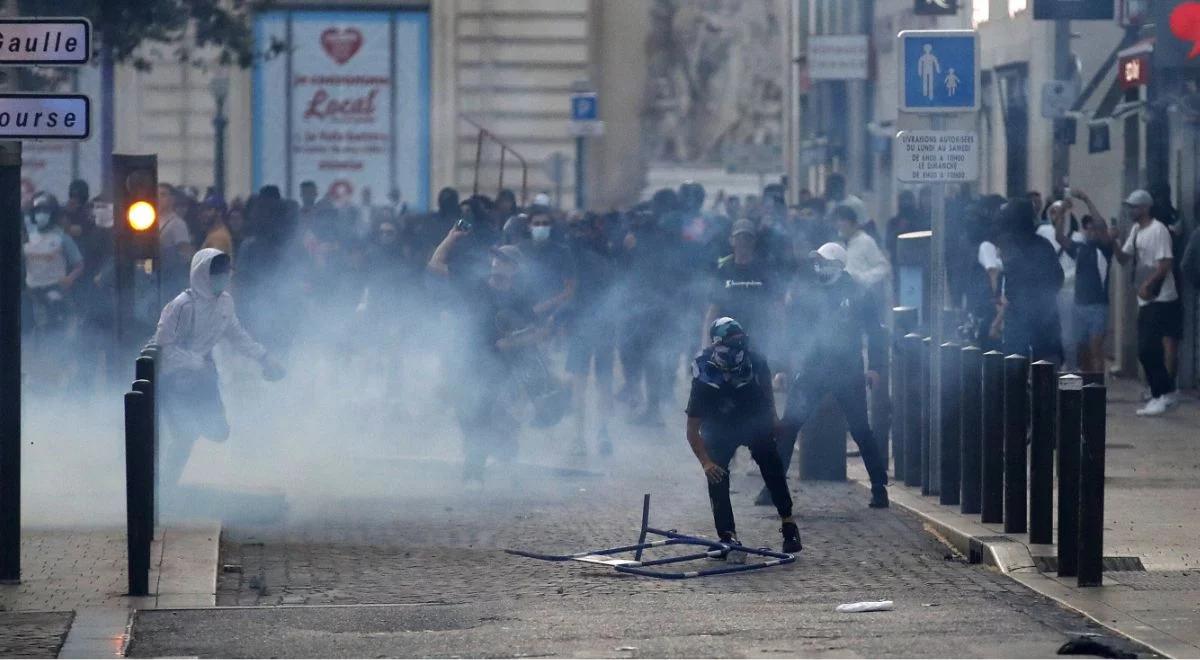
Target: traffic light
(135, 206)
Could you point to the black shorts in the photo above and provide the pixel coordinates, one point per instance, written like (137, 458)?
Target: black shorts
(1163, 318)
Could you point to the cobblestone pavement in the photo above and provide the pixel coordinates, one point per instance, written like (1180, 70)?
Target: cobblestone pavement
(32, 634)
(433, 567)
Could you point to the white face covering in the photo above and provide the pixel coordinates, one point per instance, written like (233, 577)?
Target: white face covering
(540, 233)
(41, 219)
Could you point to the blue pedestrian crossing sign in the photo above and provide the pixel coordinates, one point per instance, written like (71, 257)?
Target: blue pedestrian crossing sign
(939, 71)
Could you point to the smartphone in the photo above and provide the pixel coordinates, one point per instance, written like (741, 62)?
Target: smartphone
(463, 224)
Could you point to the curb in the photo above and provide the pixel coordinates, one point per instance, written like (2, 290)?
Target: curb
(1015, 559)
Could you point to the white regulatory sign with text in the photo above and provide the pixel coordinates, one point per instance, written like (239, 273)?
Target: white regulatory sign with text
(936, 156)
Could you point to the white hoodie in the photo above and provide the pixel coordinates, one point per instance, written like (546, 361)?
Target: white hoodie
(192, 323)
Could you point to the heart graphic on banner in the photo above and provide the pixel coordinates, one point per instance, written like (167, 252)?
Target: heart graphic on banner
(341, 44)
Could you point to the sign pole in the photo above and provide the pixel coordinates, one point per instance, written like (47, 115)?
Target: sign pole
(10, 362)
(579, 180)
(937, 304)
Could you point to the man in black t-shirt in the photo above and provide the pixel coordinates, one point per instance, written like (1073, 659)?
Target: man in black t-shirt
(744, 287)
(732, 405)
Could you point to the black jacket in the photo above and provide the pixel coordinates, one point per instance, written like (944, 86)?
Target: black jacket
(827, 323)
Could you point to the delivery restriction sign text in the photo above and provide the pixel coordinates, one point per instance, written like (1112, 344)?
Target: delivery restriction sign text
(937, 156)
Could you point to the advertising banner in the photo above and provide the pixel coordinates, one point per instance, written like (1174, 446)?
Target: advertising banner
(347, 104)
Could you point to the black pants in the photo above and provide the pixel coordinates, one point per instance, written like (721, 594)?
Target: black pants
(643, 357)
(1156, 321)
(722, 445)
(849, 388)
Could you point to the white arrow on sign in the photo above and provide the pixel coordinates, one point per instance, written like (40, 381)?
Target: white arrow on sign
(45, 117)
(45, 40)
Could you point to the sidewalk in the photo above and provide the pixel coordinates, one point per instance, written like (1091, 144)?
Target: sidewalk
(1152, 512)
(72, 591)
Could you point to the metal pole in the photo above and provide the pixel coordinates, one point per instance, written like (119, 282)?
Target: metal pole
(937, 302)
(1041, 459)
(912, 409)
(579, 182)
(951, 397)
(992, 464)
(904, 321)
(1060, 159)
(1070, 393)
(1016, 401)
(971, 428)
(10, 362)
(219, 123)
(1091, 487)
(927, 421)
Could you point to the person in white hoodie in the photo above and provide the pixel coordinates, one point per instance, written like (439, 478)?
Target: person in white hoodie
(188, 329)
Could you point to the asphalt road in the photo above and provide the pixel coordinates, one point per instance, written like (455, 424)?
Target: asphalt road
(425, 575)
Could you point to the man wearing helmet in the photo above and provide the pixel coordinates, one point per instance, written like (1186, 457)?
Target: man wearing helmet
(732, 405)
(53, 263)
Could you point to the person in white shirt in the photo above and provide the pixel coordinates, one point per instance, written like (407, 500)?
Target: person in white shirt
(1148, 249)
(1061, 234)
(864, 260)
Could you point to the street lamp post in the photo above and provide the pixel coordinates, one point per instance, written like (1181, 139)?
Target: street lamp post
(219, 86)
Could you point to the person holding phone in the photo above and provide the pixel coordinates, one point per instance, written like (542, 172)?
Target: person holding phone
(1148, 249)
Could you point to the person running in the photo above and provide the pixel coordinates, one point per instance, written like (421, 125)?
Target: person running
(188, 329)
(732, 405)
(829, 321)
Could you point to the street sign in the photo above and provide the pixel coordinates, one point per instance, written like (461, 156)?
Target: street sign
(585, 115)
(1077, 10)
(1057, 97)
(939, 71)
(935, 7)
(838, 57)
(44, 117)
(936, 156)
(45, 41)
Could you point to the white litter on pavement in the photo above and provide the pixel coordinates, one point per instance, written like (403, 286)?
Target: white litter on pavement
(866, 606)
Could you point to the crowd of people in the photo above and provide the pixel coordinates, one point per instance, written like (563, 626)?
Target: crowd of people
(516, 292)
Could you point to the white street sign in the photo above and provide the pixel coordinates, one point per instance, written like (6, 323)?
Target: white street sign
(593, 128)
(936, 156)
(45, 41)
(838, 57)
(44, 117)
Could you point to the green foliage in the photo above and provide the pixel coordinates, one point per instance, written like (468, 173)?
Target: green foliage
(126, 26)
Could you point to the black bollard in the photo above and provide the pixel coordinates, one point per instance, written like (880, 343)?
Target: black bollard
(971, 428)
(1070, 392)
(950, 457)
(904, 321)
(912, 412)
(926, 407)
(144, 367)
(991, 508)
(150, 448)
(1016, 423)
(1091, 487)
(139, 533)
(1043, 397)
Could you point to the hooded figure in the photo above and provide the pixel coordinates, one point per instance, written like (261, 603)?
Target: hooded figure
(188, 329)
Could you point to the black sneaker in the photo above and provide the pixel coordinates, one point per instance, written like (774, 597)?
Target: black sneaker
(791, 538)
(764, 498)
(879, 497)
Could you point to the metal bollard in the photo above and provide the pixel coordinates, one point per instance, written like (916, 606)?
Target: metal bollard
(992, 464)
(1041, 447)
(971, 427)
(139, 533)
(1070, 393)
(1091, 487)
(912, 412)
(1016, 423)
(150, 405)
(926, 406)
(900, 405)
(950, 457)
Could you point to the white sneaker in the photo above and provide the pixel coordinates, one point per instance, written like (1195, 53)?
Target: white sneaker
(1156, 406)
(1172, 399)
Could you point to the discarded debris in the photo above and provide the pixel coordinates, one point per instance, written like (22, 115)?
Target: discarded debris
(866, 606)
(231, 568)
(1097, 646)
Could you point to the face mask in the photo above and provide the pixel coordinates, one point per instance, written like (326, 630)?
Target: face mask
(827, 271)
(220, 283)
(540, 233)
(41, 219)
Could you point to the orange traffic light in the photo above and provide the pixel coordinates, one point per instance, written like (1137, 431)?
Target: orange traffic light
(142, 215)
